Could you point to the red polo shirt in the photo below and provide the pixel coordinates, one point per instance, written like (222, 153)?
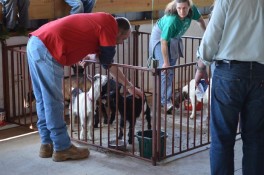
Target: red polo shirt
(71, 38)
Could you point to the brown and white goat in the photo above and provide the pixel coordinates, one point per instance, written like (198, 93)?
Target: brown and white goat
(190, 89)
(89, 98)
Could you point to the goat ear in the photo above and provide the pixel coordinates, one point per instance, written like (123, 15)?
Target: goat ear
(119, 86)
(96, 76)
(112, 93)
(74, 69)
(80, 70)
(185, 95)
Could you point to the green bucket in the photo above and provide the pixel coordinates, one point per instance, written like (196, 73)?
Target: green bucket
(147, 143)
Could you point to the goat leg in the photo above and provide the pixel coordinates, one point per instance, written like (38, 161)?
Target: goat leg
(130, 135)
(120, 135)
(96, 117)
(148, 116)
(113, 109)
(121, 128)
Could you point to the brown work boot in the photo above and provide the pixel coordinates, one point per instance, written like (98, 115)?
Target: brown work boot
(73, 153)
(46, 150)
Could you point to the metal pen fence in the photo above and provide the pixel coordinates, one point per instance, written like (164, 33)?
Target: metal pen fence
(171, 134)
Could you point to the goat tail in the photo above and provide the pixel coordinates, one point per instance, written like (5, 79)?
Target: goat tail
(147, 108)
(185, 89)
(147, 112)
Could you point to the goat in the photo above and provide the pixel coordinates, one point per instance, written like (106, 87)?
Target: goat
(90, 105)
(128, 108)
(69, 84)
(112, 102)
(192, 97)
(179, 98)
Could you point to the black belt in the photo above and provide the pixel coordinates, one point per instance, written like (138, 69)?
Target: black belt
(233, 62)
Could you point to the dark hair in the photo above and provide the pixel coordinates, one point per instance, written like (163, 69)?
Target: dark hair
(123, 24)
(171, 8)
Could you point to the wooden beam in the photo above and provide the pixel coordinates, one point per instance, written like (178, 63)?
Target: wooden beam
(123, 6)
(40, 9)
(61, 8)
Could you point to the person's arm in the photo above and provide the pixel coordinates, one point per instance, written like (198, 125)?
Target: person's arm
(165, 54)
(118, 75)
(201, 23)
(210, 43)
(106, 57)
(198, 17)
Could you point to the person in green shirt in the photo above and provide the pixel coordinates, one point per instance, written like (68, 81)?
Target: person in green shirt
(165, 41)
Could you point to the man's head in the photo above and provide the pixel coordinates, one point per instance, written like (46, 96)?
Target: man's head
(124, 29)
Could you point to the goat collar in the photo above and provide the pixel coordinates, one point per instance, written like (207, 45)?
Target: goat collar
(90, 98)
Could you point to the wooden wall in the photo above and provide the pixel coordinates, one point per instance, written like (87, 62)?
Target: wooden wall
(52, 9)
(121, 6)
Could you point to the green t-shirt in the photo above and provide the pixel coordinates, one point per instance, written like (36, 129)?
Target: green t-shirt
(172, 26)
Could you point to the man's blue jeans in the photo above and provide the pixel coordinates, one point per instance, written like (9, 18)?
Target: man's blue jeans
(47, 76)
(81, 6)
(237, 90)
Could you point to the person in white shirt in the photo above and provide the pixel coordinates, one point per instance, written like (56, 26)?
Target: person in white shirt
(234, 41)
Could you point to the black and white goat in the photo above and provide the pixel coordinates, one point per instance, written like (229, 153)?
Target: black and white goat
(114, 89)
(126, 110)
(90, 105)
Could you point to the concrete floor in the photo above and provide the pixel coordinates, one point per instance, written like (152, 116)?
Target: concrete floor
(19, 156)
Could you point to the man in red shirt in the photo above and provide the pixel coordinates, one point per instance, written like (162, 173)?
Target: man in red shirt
(64, 42)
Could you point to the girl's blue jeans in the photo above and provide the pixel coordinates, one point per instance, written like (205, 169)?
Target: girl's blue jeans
(237, 98)
(47, 76)
(166, 77)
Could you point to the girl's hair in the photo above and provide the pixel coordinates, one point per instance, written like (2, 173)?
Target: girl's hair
(171, 8)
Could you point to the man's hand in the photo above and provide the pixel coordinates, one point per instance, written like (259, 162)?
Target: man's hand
(201, 73)
(135, 91)
(84, 63)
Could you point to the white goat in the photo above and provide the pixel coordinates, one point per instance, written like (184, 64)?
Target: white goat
(90, 105)
(192, 97)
